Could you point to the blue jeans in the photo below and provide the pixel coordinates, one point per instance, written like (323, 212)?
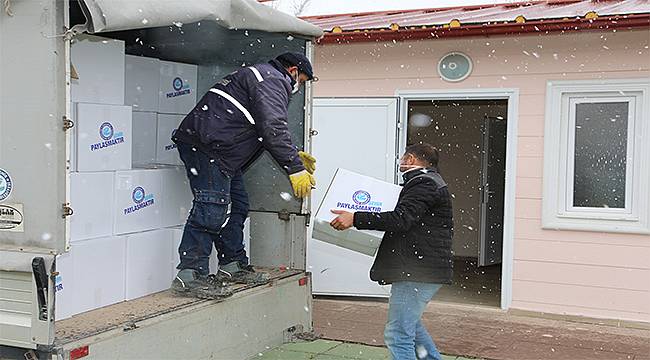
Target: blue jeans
(405, 335)
(230, 242)
(213, 192)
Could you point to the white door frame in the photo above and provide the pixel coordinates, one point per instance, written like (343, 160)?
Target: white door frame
(512, 96)
(323, 256)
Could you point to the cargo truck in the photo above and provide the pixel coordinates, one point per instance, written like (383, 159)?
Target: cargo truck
(36, 123)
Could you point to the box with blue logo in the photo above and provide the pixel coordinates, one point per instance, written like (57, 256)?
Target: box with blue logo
(166, 152)
(102, 137)
(138, 201)
(353, 192)
(177, 94)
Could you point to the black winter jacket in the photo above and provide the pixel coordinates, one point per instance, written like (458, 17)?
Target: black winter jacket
(417, 243)
(236, 132)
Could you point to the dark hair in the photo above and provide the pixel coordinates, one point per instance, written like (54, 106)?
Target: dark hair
(424, 152)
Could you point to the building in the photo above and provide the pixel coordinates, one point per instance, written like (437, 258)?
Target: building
(543, 124)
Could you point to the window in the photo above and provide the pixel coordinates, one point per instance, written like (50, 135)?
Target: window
(597, 156)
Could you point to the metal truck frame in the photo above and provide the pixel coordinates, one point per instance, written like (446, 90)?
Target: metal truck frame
(35, 75)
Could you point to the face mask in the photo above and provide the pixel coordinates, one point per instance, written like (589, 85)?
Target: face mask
(296, 84)
(405, 168)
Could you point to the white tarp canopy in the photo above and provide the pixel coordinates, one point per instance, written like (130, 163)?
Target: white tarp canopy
(117, 15)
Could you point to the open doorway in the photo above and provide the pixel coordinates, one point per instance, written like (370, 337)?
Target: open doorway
(471, 138)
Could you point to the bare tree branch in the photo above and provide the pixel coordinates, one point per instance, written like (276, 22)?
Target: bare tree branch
(273, 4)
(299, 6)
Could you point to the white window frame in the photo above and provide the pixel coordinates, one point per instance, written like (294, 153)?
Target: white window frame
(573, 101)
(559, 161)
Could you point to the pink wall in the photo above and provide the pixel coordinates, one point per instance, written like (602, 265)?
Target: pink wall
(578, 273)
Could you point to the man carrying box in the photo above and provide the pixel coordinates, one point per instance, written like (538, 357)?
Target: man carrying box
(230, 127)
(415, 253)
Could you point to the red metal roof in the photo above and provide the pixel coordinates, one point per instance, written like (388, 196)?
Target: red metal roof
(550, 15)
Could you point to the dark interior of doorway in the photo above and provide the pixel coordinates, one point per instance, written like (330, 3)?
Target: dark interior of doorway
(457, 128)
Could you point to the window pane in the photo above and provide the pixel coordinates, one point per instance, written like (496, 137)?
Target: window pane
(600, 155)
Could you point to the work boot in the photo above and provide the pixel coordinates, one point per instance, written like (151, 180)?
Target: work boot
(189, 282)
(236, 273)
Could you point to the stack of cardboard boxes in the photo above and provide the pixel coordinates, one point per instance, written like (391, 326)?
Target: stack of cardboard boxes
(128, 188)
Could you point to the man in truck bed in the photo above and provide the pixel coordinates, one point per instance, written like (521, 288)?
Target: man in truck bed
(240, 117)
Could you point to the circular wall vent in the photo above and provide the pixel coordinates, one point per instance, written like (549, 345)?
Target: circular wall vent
(455, 67)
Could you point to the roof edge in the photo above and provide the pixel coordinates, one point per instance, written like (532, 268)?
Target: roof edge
(630, 21)
(467, 7)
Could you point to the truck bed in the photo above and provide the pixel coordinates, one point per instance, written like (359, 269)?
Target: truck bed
(126, 315)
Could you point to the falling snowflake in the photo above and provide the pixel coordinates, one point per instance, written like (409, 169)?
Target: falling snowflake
(421, 352)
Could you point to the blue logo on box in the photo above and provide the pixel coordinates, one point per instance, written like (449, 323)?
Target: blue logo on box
(140, 199)
(361, 197)
(106, 131)
(58, 283)
(180, 88)
(108, 136)
(171, 146)
(6, 185)
(177, 84)
(361, 202)
(138, 195)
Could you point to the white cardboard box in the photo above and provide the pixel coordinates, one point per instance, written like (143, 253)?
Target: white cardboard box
(91, 198)
(147, 263)
(354, 192)
(176, 196)
(138, 201)
(63, 287)
(166, 151)
(103, 137)
(145, 126)
(142, 82)
(99, 64)
(177, 88)
(91, 275)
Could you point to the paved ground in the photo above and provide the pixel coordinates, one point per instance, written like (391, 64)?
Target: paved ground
(489, 333)
(331, 350)
(472, 285)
